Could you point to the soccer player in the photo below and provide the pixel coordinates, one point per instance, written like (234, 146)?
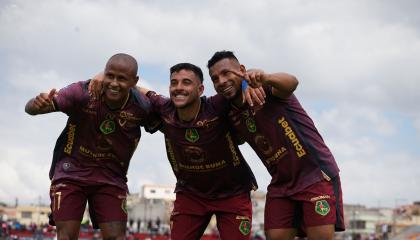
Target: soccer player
(92, 154)
(305, 191)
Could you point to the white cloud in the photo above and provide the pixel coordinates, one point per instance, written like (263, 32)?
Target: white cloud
(379, 179)
(351, 120)
(374, 169)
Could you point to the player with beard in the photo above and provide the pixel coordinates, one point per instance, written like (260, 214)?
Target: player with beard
(305, 189)
(92, 154)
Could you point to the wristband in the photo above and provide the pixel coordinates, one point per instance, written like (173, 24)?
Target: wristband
(244, 84)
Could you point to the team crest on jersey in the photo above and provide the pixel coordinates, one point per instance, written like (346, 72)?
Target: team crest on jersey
(107, 126)
(250, 124)
(245, 227)
(322, 207)
(191, 134)
(245, 114)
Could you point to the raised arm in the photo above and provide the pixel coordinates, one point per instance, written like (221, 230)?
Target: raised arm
(41, 104)
(283, 84)
(95, 85)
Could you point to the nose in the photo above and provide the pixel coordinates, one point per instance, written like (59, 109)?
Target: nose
(221, 81)
(175, 87)
(113, 80)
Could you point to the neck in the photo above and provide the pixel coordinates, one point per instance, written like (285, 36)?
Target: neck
(117, 105)
(238, 100)
(189, 113)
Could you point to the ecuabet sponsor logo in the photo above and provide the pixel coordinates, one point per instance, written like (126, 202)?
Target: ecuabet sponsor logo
(288, 131)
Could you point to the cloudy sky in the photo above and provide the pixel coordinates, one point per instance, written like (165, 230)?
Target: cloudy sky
(357, 63)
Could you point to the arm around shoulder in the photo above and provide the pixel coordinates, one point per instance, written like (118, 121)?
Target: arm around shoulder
(142, 90)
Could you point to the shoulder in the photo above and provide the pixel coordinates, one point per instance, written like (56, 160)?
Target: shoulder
(293, 101)
(77, 91)
(217, 103)
(159, 101)
(81, 86)
(216, 99)
(290, 101)
(142, 100)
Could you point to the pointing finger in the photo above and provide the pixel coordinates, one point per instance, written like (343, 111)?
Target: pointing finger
(237, 73)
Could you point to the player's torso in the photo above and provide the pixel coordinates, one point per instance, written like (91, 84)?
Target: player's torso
(203, 154)
(98, 143)
(105, 136)
(283, 136)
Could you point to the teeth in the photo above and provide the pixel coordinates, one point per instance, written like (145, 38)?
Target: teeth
(227, 89)
(180, 95)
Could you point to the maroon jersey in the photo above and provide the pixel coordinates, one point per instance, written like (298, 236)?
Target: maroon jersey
(97, 143)
(287, 142)
(203, 155)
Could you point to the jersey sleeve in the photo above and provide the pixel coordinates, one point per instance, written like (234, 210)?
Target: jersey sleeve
(153, 123)
(219, 103)
(159, 102)
(71, 97)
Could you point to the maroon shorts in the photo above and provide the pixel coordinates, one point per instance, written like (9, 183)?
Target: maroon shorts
(319, 204)
(107, 203)
(192, 214)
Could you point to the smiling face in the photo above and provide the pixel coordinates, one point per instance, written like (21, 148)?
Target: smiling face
(120, 76)
(185, 89)
(225, 81)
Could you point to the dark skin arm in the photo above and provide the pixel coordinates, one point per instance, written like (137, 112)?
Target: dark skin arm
(283, 84)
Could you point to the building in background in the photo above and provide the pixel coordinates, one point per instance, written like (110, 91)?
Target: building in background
(407, 217)
(25, 215)
(258, 206)
(150, 209)
(383, 223)
(362, 222)
(28, 215)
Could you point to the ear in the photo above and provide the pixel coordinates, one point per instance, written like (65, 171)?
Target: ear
(200, 89)
(242, 68)
(136, 80)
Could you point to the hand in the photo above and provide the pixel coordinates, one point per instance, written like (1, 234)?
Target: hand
(255, 93)
(43, 102)
(96, 85)
(251, 95)
(255, 77)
